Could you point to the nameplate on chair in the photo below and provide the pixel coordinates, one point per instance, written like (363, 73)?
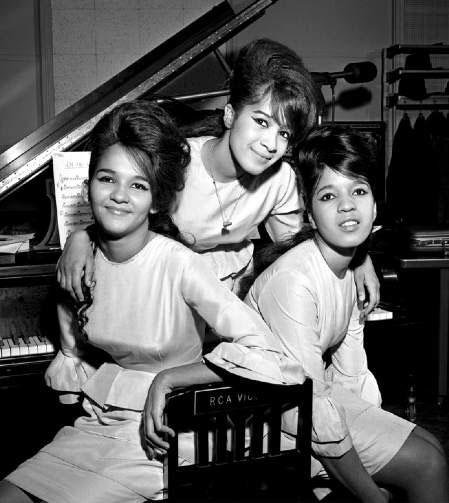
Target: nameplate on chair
(211, 400)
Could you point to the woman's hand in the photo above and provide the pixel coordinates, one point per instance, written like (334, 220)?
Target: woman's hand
(75, 265)
(154, 430)
(365, 277)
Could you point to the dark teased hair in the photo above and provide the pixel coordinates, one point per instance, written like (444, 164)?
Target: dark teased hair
(343, 150)
(149, 135)
(340, 148)
(268, 68)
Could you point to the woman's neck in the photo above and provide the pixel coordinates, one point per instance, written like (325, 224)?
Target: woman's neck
(218, 161)
(338, 259)
(122, 249)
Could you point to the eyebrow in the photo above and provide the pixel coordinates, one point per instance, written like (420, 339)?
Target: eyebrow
(332, 186)
(269, 116)
(113, 172)
(326, 187)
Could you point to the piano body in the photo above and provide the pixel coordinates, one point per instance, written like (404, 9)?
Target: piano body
(28, 328)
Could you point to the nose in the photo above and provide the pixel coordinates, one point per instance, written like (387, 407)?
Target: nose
(346, 204)
(269, 140)
(119, 194)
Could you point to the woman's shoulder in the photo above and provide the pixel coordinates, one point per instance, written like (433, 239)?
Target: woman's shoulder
(170, 246)
(196, 143)
(275, 181)
(297, 262)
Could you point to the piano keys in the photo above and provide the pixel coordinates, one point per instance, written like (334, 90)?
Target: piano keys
(28, 325)
(24, 346)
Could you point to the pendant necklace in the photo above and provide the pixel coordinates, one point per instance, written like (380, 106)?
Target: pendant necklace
(226, 219)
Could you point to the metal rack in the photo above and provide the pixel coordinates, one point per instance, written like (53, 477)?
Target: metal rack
(393, 71)
(392, 76)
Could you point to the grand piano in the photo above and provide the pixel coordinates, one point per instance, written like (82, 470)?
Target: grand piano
(28, 329)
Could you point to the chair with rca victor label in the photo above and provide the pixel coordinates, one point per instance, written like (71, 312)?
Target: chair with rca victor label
(238, 451)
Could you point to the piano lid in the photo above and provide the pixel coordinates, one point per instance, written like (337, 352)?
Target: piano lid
(67, 130)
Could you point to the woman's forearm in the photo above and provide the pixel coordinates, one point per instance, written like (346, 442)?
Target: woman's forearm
(189, 375)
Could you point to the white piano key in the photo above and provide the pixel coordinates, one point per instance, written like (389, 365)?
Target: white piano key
(50, 346)
(6, 348)
(379, 314)
(23, 347)
(15, 349)
(36, 345)
(32, 348)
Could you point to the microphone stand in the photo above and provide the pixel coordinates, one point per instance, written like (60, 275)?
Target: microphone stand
(332, 83)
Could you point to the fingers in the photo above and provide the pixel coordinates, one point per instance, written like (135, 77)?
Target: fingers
(371, 302)
(360, 287)
(89, 279)
(154, 439)
(70, 281)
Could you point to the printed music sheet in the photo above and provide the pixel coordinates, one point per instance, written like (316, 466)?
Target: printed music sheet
(70, 169)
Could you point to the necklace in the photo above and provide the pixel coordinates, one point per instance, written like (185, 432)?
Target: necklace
(226, 219)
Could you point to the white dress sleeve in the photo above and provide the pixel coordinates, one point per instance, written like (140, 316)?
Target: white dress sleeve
(290, 310)
(68, 371)
(249, 350)
(286, 218)
(349, 364)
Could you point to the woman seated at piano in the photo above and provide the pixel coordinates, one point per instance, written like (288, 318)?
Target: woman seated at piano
(140, 334)
(239, 180)
(305, 293)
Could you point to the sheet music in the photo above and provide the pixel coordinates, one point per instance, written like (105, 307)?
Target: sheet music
(70, 169)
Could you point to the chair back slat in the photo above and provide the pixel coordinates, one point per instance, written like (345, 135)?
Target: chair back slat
(221, 439)
(238, 422)
(274, 431)
(257, 433)
(202, 441)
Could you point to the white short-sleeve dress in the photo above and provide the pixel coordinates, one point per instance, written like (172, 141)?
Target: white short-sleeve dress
(148, 314)
(313, 312)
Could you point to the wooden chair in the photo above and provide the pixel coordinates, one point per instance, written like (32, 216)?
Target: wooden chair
(238, 456)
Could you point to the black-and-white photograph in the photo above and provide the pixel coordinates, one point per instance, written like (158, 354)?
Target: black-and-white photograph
(224, 251)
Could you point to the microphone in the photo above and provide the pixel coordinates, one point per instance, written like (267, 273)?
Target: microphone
(353, 73)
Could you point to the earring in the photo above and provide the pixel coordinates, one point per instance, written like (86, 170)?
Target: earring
(228, 115)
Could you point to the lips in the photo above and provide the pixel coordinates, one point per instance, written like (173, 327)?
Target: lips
(264, 157)
(117, 211)
(350, 224)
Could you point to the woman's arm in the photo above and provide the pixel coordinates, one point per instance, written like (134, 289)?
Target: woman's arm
(165, 382)
(349, 363)
(76, 265)
(69, 370)
(248, 348)
(365, 277)
(289, 305)
(286, 217)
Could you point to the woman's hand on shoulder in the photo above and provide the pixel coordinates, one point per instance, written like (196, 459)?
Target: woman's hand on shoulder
(366, 281)
(76, 265)
(154, 430)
